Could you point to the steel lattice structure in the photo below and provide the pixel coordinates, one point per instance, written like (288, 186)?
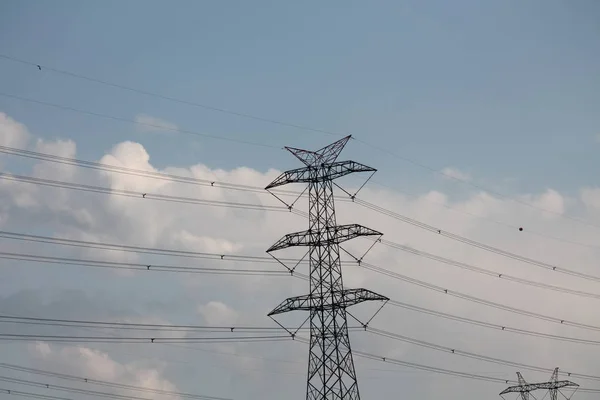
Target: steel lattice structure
(553, 386)
(331, 373)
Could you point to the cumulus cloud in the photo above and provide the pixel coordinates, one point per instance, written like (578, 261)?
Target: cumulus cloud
(550, 201)
(456, 174)
(148, 123)
(217, 313)
(88, 362)
(12, 133)
(591, 197)
(225, 300)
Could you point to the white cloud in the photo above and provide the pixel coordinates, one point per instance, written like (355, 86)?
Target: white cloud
(591, 197)
(12, 133)
(148, 123)
(217, 313)
(450, 172)
(92, 363)
(61, 148)
(148, 223)
(43, 349)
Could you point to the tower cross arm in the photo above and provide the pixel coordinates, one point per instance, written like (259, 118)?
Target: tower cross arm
(535, 386)
(339, 299)
(321, 173)
(324, 155)
(329, 235)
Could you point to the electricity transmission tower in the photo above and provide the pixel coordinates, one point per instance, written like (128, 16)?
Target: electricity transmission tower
(331, 374)
(553, 387)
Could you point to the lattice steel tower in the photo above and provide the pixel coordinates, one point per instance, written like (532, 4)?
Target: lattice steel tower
(331, 373)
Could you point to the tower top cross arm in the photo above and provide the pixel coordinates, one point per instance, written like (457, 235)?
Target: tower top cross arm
(325, 155)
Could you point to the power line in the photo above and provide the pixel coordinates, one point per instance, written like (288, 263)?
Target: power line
(445, 371)
(128, 120)
(32, 395)
(176, 328)
(437, 370)
(477, 186)
(107, 383)
(136, 326)
(225, 185)
(485, 218)
(462, 353)
(173, 99)
(473, 243)
(498, 327)
(430, 228)
(142, 195)
(488, 272)
(372, 267)
(135, 249)
(273, 121)
(462, 239)
(68, 389)
(147, 266)
(134, 172)
(474, 299)
(135, 339)
(368, 205)
(393, 302)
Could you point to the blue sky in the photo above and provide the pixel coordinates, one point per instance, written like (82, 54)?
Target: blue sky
(506, 91)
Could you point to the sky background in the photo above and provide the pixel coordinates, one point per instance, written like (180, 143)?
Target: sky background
(503, 95)
(503, 89)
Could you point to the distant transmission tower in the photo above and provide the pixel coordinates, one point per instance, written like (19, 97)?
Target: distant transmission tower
(553, 387)
(331, 374)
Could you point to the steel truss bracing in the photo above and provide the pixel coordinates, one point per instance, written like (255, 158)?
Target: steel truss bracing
(331, 373)
(553, 387)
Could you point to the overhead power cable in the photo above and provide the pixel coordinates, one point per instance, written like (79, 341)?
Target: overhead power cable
(137, 249)
(368, 205)
(138, 172)
(140, 326)
(430, 228)
(462, 353)
(132, 121)
(262, 119)
(488, 272)
(25, 382)
(498, 327)
(173, 99)
(135, 339)
(502, 327)
(29, 395)
(149, 266)
(177, 328)
(496, 250)
(443, 371)
(513, 227)
(142, 195)
(204, 270)
(473, 243)
(98, 382)
(475, 299)
(369, 266)
(224, 185)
